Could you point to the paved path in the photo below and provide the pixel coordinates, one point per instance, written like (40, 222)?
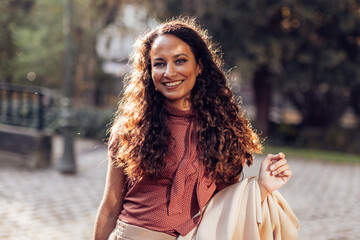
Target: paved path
(45, 204)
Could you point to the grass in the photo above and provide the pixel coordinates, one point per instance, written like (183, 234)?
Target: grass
(314, 154)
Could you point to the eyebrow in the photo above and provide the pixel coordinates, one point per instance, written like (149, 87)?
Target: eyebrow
(180, 54)
(175, 56)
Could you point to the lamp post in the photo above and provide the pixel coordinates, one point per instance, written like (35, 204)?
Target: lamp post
(67, 163)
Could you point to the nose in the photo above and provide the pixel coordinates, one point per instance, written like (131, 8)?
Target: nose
(170, 70)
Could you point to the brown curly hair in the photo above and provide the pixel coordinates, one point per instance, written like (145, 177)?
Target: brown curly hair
(139, 135)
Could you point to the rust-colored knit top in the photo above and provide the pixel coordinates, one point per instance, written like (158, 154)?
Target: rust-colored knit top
(173, 203)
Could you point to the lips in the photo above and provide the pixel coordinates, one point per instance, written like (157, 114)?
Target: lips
(173, 84)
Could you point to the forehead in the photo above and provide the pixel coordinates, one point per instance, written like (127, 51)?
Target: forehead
(169, 44)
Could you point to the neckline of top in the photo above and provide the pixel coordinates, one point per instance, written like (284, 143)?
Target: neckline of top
(173, 111)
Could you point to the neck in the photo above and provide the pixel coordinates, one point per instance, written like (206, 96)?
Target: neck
(183, 105)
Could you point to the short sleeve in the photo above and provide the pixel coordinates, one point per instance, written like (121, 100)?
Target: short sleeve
(113, 146)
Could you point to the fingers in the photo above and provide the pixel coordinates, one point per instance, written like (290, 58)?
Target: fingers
(276, 157)
(276, 164)
(283, 172)
(285, 175)
(280, 168)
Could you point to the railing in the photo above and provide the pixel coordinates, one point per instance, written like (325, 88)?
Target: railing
(24, 105)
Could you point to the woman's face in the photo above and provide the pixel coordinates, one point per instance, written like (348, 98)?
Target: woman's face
(173, 70)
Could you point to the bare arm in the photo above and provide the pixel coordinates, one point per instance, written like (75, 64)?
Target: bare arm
(111, 204)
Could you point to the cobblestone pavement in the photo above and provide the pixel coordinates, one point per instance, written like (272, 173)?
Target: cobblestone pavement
(44, 204)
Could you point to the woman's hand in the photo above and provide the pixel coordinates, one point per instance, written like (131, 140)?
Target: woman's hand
(274, 173)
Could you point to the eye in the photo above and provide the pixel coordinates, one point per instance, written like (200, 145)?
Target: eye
(181, 60)
(158, 64)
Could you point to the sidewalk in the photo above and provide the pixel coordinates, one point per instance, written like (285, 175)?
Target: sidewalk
(45, 204)
(325, 198)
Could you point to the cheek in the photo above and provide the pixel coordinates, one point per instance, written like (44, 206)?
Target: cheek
(193, 73)
(187, 71)
(155, 75)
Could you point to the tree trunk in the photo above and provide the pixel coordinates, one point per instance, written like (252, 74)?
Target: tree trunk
(355, 100)
(319, 109)
(7, 50)
(262, 92)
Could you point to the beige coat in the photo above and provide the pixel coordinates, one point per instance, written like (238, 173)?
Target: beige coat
(236, 213)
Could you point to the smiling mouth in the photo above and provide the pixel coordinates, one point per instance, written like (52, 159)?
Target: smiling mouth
(173, 84)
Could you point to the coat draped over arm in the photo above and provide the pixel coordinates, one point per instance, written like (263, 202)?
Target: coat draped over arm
(237, 213)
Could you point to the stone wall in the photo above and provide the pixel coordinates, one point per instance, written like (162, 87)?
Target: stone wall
(25, 147)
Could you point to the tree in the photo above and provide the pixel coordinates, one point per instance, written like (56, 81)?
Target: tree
(12, 12)
(308, 50)
(32, 51)
(248, 35)
(323, 67)
(41, 46)
(91, 17)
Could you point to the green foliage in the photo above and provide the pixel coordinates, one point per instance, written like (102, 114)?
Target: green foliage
(41, 45)
(314, 155)
(323, 66)
(87, 122)
(12, 13)
(334, 138)
(273, 33)
(308, 50)
(92, 122)
(32, 49)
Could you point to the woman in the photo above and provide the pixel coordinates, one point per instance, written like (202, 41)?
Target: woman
(179, 138)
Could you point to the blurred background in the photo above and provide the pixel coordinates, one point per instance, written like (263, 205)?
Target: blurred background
(294, 65)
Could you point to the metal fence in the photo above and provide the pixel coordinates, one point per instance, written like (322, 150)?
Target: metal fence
(24, 105)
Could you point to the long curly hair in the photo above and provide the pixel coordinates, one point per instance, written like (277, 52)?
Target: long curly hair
(139, 134)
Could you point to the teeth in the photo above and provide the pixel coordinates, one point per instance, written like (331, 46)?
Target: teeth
(172, 83)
